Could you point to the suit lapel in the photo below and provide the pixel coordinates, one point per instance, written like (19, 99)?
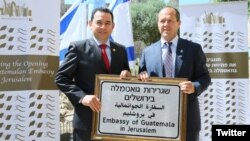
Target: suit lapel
(113, 50)
(158, 58)
(95, 49)
(154, 59)
(179, 57)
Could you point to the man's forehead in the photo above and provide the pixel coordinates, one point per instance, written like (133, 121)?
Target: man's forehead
(167, 11)
(102, 20)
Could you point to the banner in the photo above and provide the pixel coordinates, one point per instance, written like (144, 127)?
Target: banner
(225, 42)
(29, 41)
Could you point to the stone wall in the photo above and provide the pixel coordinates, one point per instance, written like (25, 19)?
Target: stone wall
(66, 116)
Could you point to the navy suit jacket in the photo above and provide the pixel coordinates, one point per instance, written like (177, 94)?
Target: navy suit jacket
(76, 75)
(190, 63)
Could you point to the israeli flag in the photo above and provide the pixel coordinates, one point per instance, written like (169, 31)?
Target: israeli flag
(122, 32)
(73, 26)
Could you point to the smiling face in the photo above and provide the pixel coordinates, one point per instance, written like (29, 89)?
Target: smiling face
(168, 23)
(102, 26)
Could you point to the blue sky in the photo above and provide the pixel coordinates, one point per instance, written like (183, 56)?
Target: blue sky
(180, 1)
(69, 1)
(72, 1)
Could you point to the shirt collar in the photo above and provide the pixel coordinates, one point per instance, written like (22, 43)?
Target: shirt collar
(98, 43)
(174, 41)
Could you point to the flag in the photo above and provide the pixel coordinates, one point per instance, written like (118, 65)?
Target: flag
(73, 26)
(122, 32)
(92, 4)
(74, 23)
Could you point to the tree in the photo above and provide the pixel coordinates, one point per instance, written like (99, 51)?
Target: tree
(144, 20)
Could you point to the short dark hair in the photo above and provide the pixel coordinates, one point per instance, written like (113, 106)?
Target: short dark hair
(102, 9)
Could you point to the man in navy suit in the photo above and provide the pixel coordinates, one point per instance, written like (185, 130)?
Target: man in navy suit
(76, 75)
(188, 61)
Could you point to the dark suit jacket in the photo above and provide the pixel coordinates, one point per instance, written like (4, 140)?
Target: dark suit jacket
(190, 63)
(76, 75)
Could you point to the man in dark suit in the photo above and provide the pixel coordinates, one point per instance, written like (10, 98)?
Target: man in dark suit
(187, 61)
(76, 75)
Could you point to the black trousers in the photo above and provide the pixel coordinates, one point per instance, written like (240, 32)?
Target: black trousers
(81, 135)
(192, 136)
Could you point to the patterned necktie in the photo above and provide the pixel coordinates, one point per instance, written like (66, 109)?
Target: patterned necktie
(168, 63)
(104, 56)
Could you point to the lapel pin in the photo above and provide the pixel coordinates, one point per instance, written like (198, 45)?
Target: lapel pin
(181, 51)
(113, 50)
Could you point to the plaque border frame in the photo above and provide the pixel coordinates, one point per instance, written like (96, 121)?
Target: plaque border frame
(153, 80)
